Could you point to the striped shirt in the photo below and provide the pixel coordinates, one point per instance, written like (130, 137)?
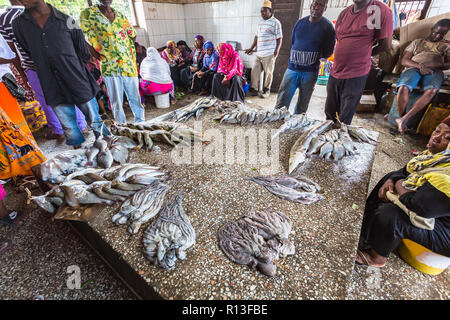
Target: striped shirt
(6, 31)
(268, 32)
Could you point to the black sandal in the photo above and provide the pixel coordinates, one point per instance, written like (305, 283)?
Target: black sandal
(10, 219)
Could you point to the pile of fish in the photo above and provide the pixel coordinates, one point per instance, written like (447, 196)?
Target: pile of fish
(226, 106)
(169, 236)
(196, 108)
(257, 240)
(142, 206)
(108, 149)
(360, 134)
(244, 115)
(56, 169)
(297, 121)
(292, 188)
(146, 132)
(300, 148)
(336, 143)
(92, 186)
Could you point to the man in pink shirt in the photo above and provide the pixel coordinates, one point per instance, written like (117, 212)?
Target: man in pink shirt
(358, 28)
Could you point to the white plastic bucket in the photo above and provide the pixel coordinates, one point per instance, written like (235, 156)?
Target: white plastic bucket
(162, 101)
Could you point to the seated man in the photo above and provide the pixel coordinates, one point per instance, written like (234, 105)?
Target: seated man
(422, 187)
(424, 59)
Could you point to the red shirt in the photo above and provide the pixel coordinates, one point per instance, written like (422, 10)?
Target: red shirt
(356, 34)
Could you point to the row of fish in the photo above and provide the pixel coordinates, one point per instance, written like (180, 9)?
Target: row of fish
(195, 108)
(244, 115)
(169, 235)
(93, 186)
(294, 122)
(336, 143)
(142, 206)
(258, 240)
(292, 188)
(167, 132)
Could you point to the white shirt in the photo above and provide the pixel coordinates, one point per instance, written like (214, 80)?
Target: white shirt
(5, 53)
(268, 32)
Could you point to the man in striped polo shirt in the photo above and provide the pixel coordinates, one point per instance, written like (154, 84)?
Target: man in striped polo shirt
(268, 44)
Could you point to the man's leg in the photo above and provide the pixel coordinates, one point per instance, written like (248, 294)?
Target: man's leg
(402, 100)
(431, 85)
(256, 74)
(408, 80)
(115, 90)
(268, 64)
(91, 111)
(67, 116)
(131, 85)
(287, 88)
(333, 102)
(351, 93)
(307, 83)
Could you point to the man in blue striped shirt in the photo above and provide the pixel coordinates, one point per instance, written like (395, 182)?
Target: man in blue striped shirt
(268, 44)
(313, 38)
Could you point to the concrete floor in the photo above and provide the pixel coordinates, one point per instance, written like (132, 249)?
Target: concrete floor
(43, 249)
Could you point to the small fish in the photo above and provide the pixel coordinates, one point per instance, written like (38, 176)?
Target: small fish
(105, 159)
(326, 150)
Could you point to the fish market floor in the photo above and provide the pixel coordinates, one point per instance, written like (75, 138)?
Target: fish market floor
(43, 249)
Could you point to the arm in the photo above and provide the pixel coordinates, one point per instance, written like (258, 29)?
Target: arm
(80, 45)
(383, 45)
(277, 49)
(16, 62)
(427, 202)
(329, 44)
(407, 62)
(252, 48)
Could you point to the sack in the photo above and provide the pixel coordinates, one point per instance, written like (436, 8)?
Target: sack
(17, 91)
(416, 220)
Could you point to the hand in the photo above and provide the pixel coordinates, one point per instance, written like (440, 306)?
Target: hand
(200, 74)
(249, 52)
(226, 82)
(387, 186)
(400, 189)
(425, 70)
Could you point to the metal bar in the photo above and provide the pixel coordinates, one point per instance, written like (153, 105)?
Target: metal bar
(425, 9)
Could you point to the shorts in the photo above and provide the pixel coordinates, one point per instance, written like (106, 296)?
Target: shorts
(412, 77)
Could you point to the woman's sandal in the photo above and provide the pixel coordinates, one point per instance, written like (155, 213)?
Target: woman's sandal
(366, 261)
(10, 219)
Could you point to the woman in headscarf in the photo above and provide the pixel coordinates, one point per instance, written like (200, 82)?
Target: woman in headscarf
(155, 74)
(203, 78)
(422, 188)
(175, 61)
(228, 83)
(186, 52)
(187, 74)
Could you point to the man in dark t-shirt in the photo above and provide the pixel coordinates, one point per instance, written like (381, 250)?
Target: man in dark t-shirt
(313, 38)
(358, 27)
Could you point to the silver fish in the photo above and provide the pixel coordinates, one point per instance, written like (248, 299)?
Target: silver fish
(316, 144)
(326, 150)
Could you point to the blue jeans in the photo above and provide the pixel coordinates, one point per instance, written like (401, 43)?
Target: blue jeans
(67, 116)
(116, 86)
(411, 78)
(304, 81)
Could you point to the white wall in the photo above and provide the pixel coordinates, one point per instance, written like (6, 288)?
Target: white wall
(439, 7)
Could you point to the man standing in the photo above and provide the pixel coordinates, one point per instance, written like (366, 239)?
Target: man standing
(424, 60)
(60, 54)
(313, 38)
(358, 27)
(112, 38)
(268, 43)
(26, 69)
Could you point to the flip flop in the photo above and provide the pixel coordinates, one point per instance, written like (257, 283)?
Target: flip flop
(366, 261)
(10, 219)
(8, 245)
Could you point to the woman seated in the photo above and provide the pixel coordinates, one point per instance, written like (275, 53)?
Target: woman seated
(228, 82)
(204, 77)
(175, 60)
(155, 76)
(187, 74)
(186, 52)
(423, 187)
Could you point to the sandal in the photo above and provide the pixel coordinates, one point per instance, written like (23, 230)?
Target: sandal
(10, 219)
(366, 261)
(5, 244)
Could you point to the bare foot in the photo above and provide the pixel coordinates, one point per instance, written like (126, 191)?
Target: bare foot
(401, 125)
